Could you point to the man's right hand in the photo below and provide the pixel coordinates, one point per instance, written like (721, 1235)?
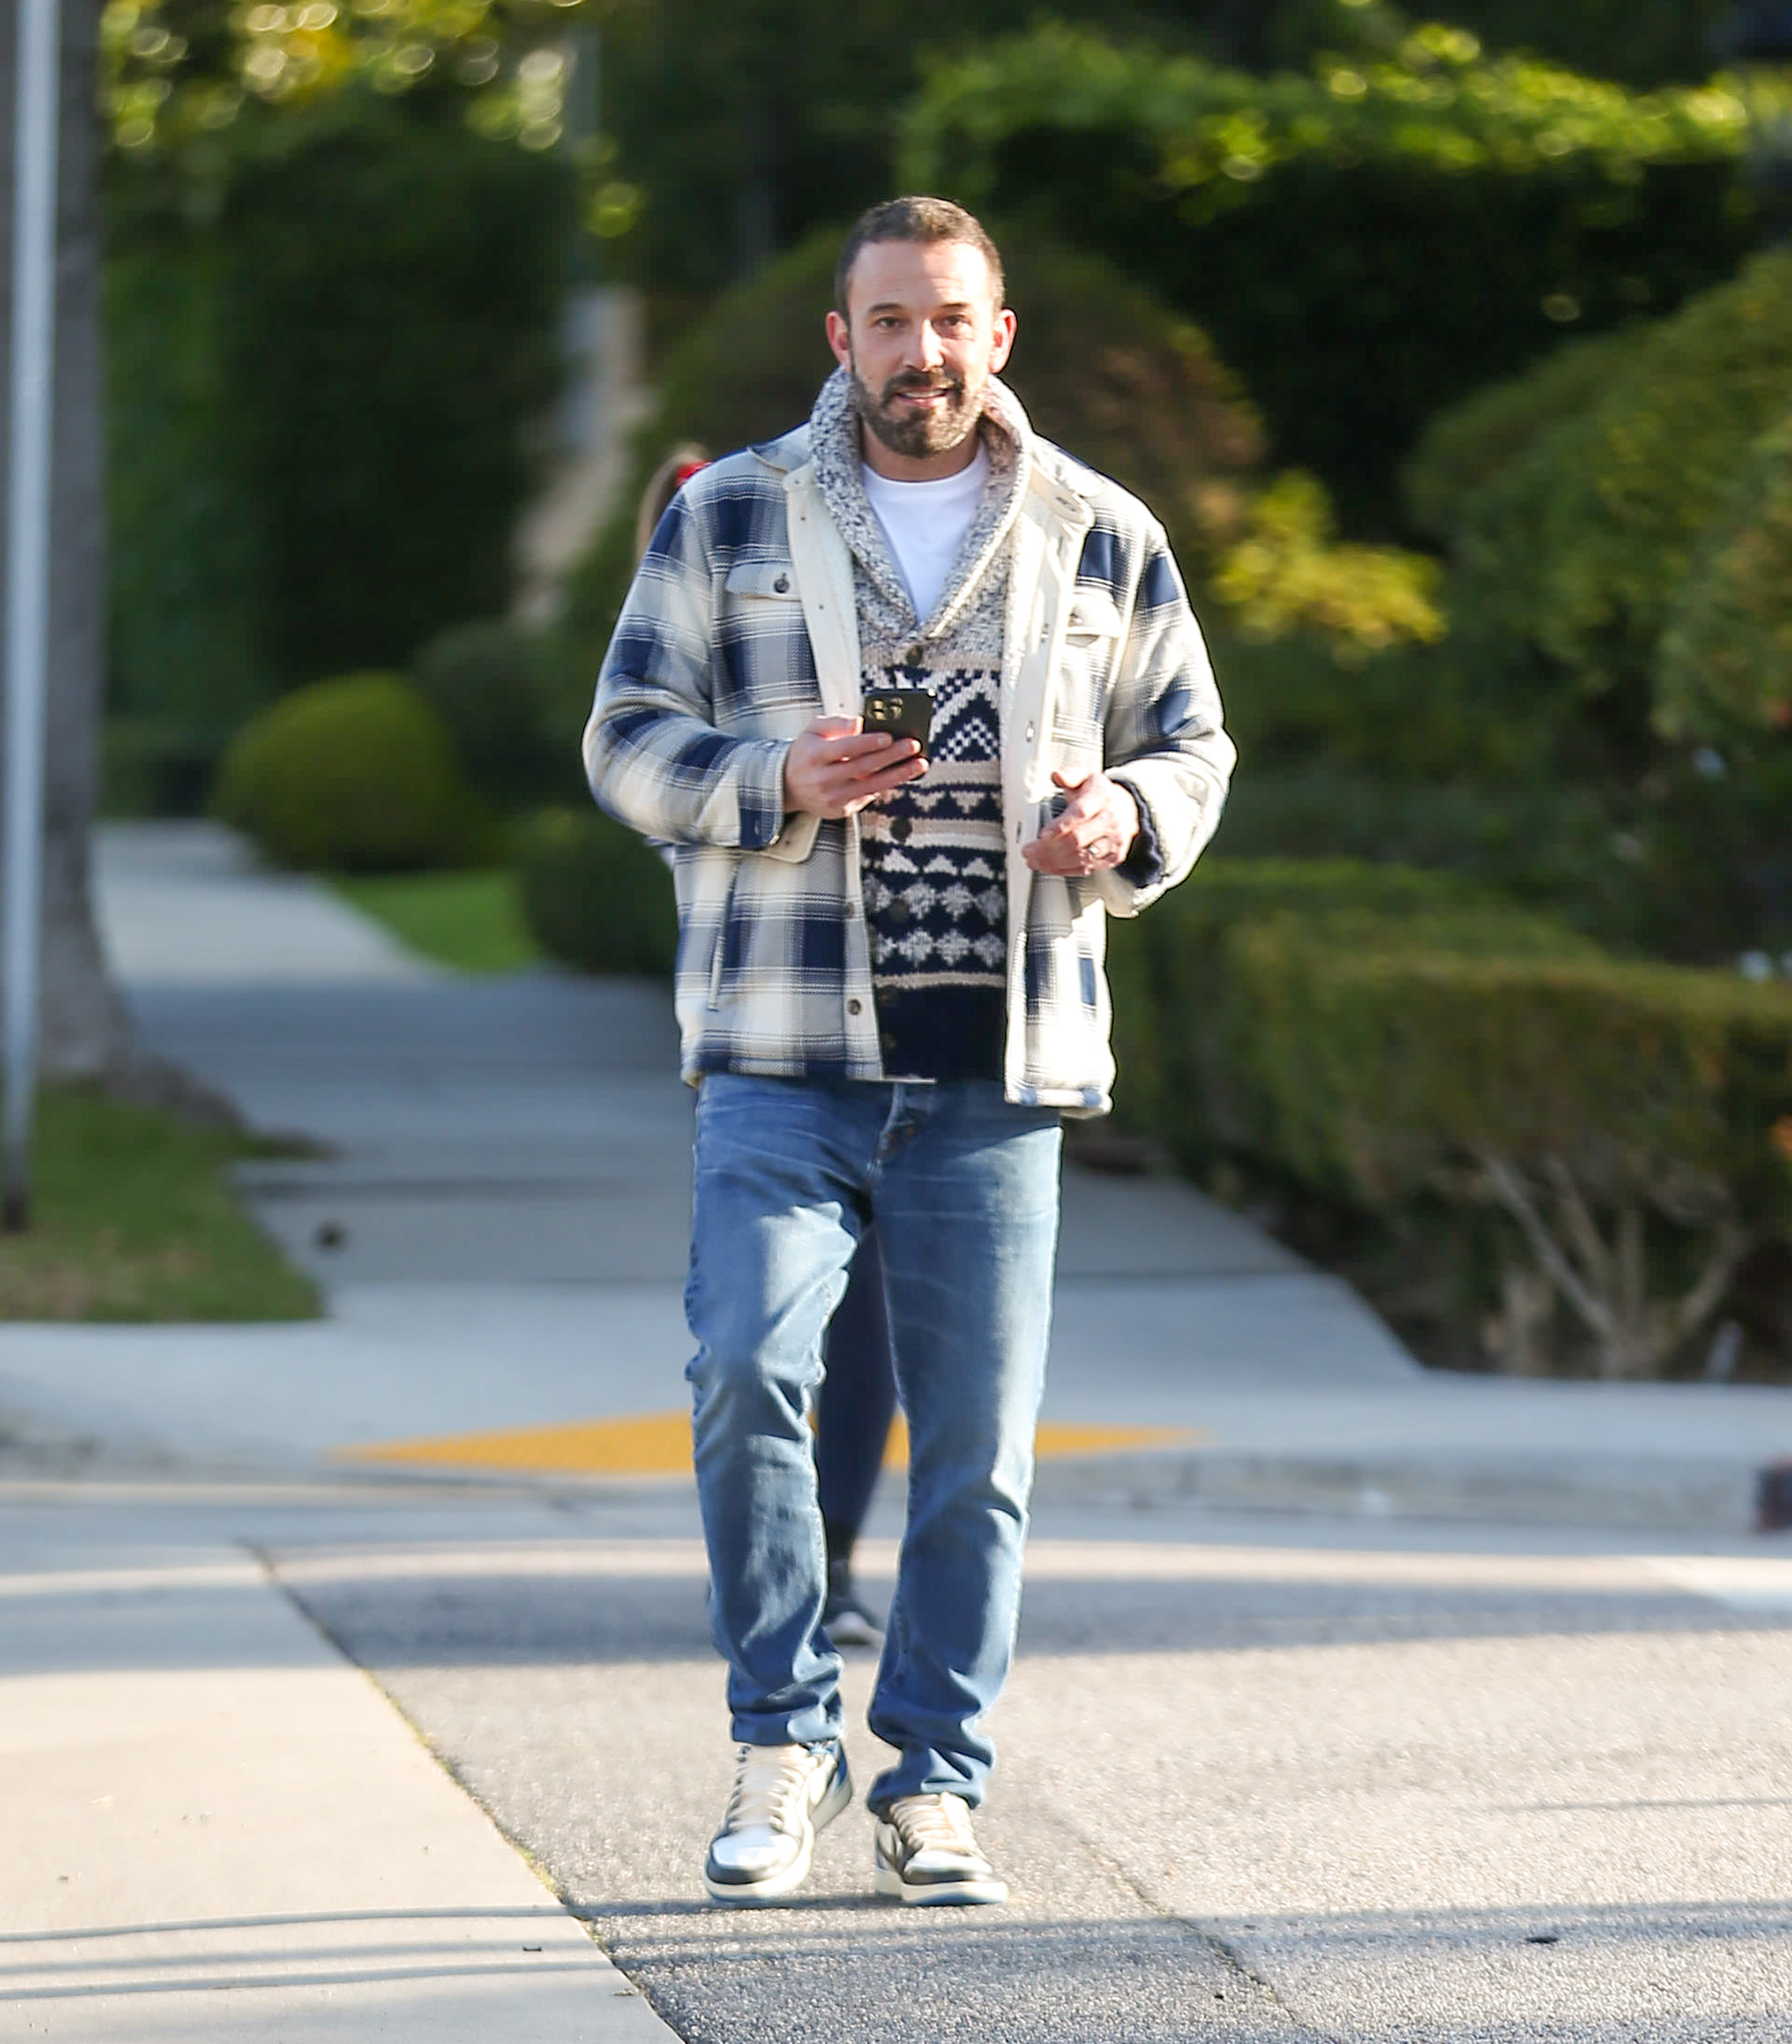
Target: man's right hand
(835, 767)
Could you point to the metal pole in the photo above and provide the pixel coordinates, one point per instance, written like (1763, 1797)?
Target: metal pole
(28, 577)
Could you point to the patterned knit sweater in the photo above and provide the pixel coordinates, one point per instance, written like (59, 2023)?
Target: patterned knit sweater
(935, 901)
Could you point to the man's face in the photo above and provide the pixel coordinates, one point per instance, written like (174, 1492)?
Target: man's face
(923, 336)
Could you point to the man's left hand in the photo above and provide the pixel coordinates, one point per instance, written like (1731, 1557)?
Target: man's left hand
(1094, 832)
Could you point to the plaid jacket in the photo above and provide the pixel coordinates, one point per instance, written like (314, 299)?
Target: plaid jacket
(740, 629)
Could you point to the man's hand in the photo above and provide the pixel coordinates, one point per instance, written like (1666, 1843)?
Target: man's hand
(835, 767)
(1095, 831)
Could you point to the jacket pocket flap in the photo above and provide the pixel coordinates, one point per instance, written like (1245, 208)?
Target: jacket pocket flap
(777, 579)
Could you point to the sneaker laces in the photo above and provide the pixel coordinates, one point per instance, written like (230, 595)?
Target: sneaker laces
(770, 1784)
(934, 1823)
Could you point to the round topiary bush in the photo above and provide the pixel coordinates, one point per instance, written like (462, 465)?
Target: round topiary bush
(353, 775)
(595, 895)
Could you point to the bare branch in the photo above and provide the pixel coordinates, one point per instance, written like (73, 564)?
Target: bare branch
(1729, 1245)
(1583, 1230)
(1508, 1185)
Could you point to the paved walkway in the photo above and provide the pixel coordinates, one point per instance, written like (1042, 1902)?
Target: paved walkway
(1266, 1780)
(500, 1229)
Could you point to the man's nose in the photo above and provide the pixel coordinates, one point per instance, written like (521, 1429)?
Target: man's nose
(925, 351)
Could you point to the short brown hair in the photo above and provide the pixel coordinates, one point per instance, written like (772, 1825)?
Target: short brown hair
(916, 219)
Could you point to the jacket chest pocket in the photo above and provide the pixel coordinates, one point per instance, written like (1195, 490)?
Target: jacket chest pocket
(765, 643)
(1092, 637)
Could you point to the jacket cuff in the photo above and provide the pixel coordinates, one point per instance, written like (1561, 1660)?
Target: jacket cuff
(759, 798)
(1143, 866)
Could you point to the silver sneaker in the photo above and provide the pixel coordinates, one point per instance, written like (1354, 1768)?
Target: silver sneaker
(783, 1795)
(927, 1853)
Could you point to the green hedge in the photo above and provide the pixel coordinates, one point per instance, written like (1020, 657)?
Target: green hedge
(320, 389)
(1725, 669)
(1165, 966)
(1618, 1136)
(1580, 503)
(353, 775)
(595, 895)
(1437, 218)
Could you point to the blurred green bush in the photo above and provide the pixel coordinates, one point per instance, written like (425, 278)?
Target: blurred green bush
(1583, 541)
(1581, 1150)
(1725, 668)
(356, 774)
(186, 651)
(1372, 241)
(595, 895)
(499, 688)
(324, 367)
(390, 289)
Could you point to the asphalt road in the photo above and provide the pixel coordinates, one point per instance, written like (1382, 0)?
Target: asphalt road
(1264, 1780)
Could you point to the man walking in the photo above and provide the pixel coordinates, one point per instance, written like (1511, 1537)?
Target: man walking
(889, 985)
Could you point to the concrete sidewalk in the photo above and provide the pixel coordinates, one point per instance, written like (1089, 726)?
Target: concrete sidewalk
(500, 1232)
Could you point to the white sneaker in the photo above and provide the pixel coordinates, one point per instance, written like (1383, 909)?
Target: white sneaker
(926, 1852)
(783, 1795)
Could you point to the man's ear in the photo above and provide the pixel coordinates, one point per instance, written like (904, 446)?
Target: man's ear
(1002, 343)
(840, 339)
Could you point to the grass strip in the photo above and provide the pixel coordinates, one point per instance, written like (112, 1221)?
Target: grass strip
(471, 921)
(134, 1218)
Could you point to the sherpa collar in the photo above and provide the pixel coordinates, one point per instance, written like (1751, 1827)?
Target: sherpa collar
(835, 449)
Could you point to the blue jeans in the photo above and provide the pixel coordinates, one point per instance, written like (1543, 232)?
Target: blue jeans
(962, 1187)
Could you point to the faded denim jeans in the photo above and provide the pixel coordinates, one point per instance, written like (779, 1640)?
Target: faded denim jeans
(964, 1190)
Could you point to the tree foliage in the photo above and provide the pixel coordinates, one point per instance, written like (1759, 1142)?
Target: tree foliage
(1577, 500)
(1375, 237)
(1725, 670)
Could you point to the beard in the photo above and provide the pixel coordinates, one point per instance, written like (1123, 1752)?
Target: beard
(935, 430)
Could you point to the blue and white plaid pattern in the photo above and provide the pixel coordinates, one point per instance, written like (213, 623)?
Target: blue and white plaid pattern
(709, 676)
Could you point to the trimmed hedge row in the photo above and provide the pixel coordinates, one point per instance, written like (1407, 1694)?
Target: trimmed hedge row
(1387, 1039)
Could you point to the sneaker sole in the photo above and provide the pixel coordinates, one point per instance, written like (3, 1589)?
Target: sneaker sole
(751, 1894)
(940, 1894)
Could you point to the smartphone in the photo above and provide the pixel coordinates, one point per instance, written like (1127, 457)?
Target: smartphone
(900, 713)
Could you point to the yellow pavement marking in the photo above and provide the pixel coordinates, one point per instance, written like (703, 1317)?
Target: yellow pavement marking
(659, 1444)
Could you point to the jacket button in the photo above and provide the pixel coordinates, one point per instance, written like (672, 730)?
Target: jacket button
(901, 829)
(782, 585)
(852, 912)
(855, 1006)
(1030, 734)
(914, 656)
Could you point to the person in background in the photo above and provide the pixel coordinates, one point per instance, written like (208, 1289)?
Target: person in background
(857, 1398)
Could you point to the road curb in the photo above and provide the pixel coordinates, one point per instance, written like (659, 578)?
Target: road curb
(1640, 1493)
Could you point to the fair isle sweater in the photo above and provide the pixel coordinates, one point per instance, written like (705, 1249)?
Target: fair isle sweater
(931, 853)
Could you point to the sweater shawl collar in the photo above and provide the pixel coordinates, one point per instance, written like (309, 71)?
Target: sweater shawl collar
(884, 603)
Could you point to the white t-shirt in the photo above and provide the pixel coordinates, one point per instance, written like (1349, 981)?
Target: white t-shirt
(926, 524)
